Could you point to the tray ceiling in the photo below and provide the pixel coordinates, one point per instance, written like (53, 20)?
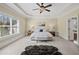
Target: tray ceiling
(27, 9)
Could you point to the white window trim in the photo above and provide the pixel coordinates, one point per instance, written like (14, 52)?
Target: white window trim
(10, 26)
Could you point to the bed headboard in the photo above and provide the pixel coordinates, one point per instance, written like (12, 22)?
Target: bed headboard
(40, 29)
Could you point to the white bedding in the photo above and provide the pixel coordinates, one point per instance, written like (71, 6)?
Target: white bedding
(41, 36)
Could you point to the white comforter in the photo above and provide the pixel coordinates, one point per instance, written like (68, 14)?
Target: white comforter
(41, 36)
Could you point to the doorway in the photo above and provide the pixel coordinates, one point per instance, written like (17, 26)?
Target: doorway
(73, 29)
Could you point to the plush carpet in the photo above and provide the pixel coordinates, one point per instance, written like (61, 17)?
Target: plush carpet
(41, 50)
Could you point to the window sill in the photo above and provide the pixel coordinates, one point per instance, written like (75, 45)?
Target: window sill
(8, 36)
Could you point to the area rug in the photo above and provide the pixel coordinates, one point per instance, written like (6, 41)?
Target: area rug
(41, 50)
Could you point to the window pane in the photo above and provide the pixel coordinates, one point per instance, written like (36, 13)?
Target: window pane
(0, 20)
(14, 30)
(6, 20)
(14, 22)
(14, 26)
(0, 31)
(5, 31)
(0, 24)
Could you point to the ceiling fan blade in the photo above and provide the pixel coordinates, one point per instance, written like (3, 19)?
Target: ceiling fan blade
(36, 9)
(38, 4)
(48, 5)
(47, 10)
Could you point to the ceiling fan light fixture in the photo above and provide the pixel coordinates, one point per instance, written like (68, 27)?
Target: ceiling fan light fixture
(43, 8)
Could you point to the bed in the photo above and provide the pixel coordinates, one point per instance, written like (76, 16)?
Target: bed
(41, 34)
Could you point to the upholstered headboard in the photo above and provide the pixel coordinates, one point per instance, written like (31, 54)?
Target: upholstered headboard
(40, 29)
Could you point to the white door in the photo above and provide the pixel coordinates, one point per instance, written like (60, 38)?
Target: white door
(72, 29)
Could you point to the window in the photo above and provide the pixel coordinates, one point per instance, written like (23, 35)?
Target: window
(8, 25)
(14, 26)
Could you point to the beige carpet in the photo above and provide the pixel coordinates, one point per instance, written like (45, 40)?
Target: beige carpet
(65, 47)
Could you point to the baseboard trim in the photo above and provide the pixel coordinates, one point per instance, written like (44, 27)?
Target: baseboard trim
(62, 37)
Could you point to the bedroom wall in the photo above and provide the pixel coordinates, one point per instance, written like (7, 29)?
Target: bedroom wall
(35, 21)
(63, 24)
(10, 12)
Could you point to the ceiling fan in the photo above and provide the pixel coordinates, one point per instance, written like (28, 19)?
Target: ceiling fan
(43, 7)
